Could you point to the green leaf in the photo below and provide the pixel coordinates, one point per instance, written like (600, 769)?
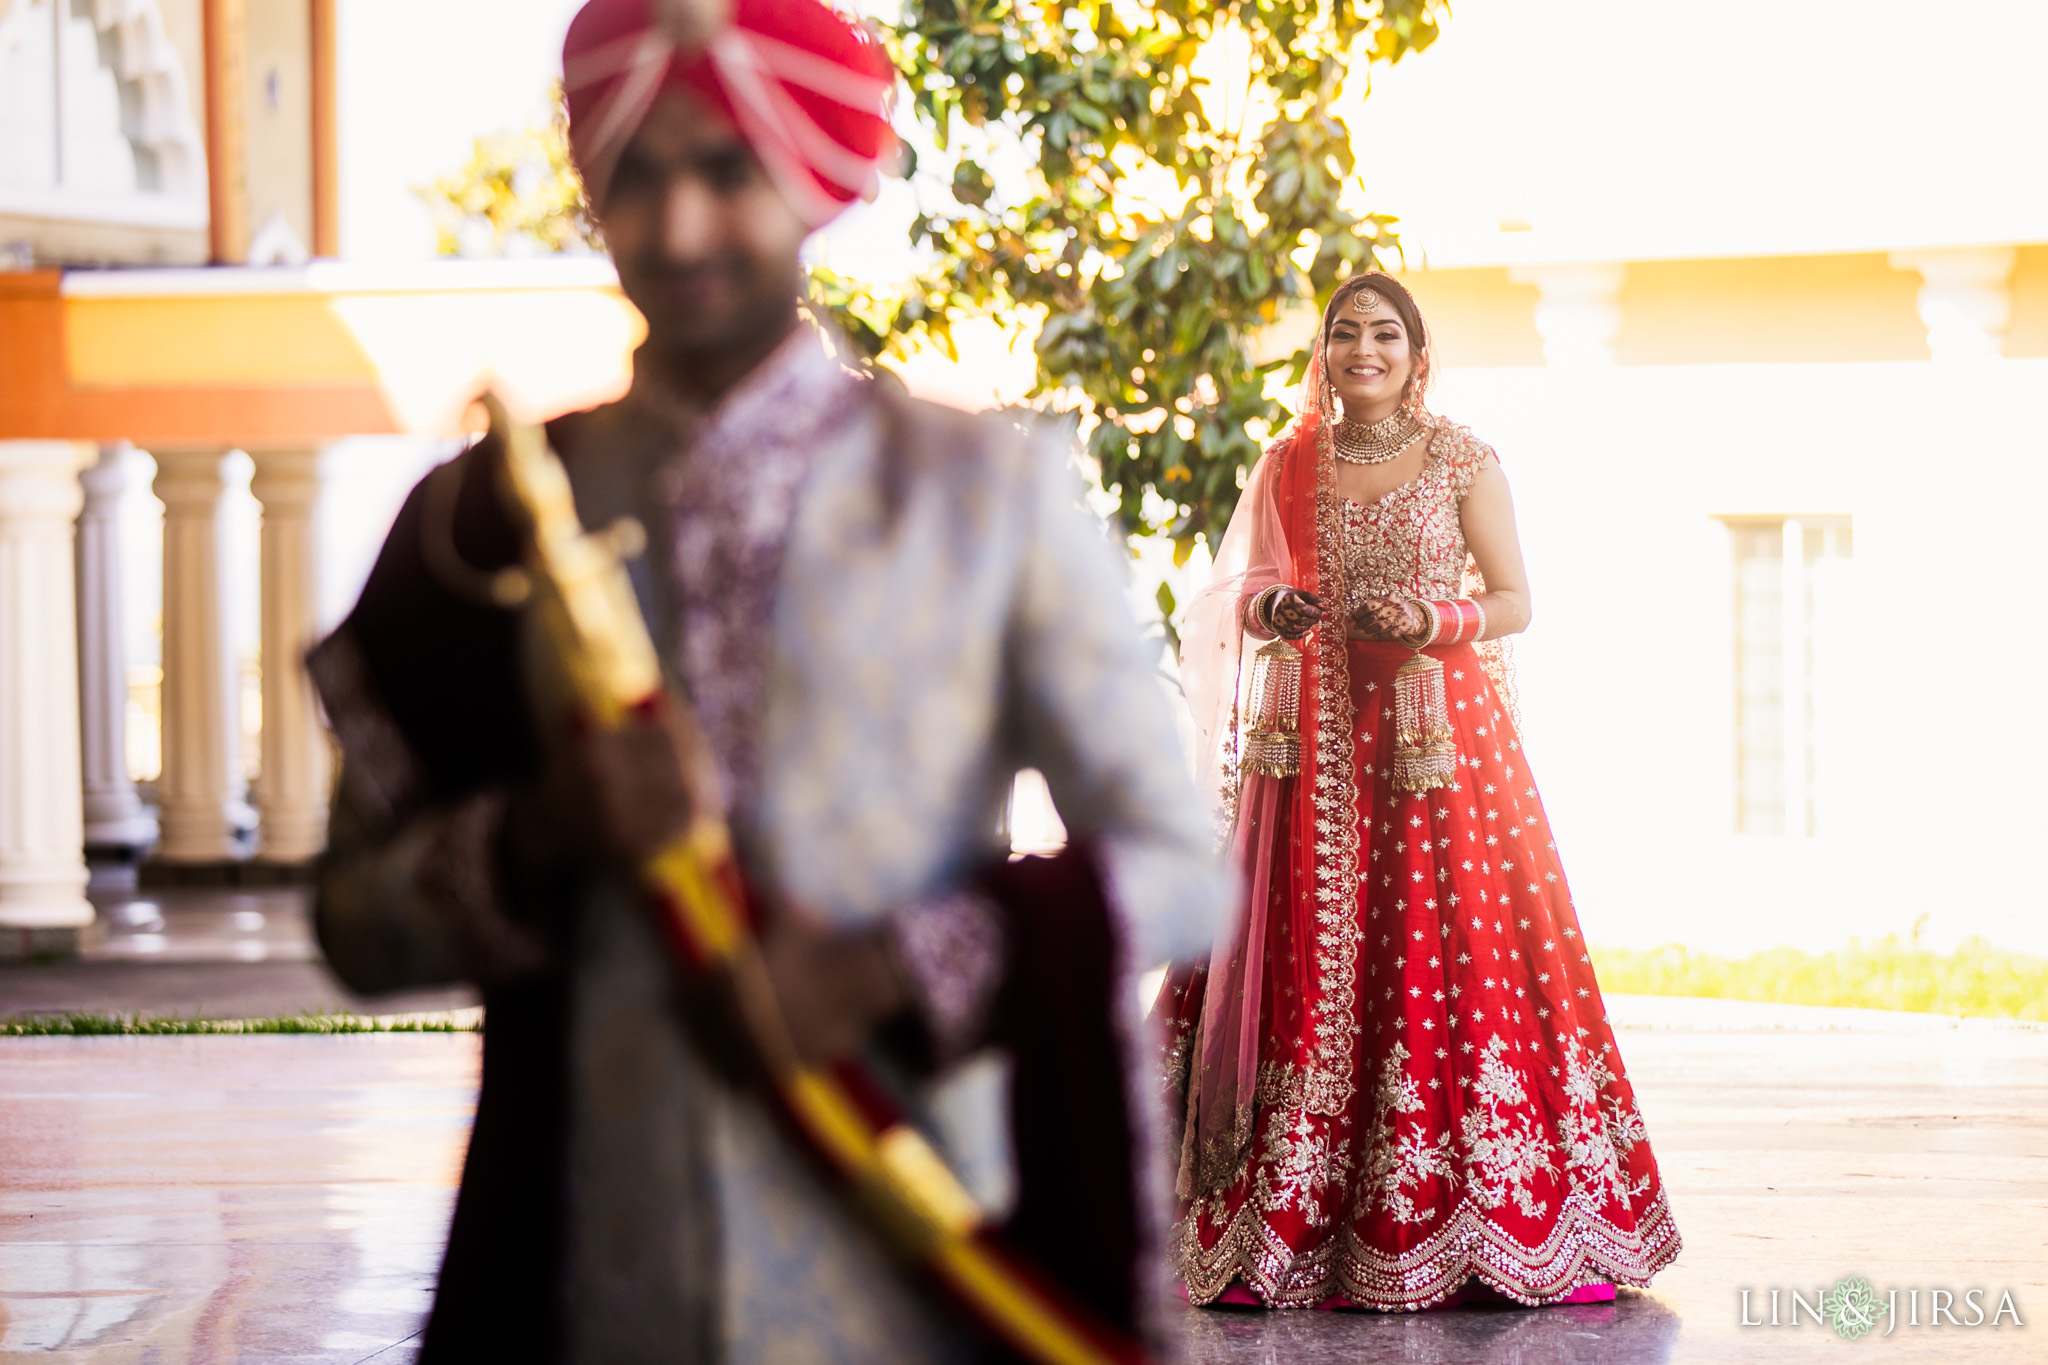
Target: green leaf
(971, 184)
(1165, 269)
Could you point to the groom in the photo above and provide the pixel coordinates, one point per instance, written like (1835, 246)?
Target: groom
(879, 610)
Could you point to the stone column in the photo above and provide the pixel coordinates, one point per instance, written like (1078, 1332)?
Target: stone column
(1965, 298)
(198, 789)
(293, 793)
(114, 814)
(1578, 313)
(42, 827)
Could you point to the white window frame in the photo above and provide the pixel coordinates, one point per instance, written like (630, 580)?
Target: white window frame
(1804, 807)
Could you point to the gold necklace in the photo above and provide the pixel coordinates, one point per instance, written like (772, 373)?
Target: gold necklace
(1374, 443)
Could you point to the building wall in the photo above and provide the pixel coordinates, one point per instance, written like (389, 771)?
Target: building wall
(279, 113)
(70, 241)
(1811, 309)
(2027, 334)
(119, 175)
(1787, 310)
(131, 69)
(1622, 479)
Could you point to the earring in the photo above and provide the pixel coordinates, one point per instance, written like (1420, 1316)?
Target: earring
(1411, 392)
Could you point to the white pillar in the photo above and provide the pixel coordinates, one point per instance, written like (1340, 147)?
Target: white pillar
(294, 790)
(1578, 311)
(198, 789)
(114, 814)
(42, 826)
(1965, 298)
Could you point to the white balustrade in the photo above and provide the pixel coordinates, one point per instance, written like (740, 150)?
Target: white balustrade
(114, 814)
(42, 861)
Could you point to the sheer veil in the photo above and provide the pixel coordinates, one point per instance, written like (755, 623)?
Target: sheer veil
(1283, 518)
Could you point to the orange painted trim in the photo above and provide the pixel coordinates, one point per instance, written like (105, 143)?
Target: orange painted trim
(224, 33)
(31, 284)
(38, 402)
(230, 418)
(326, 137)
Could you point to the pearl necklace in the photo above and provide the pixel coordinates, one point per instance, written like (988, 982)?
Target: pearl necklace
(1359, 443)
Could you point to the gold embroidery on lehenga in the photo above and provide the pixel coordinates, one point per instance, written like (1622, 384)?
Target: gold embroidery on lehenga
(1176, 1058)
(1594, 1137)
(1285, 1085)
(1503, 1151)
(1302, 1164)
(1398, 1160)
(1336, 801)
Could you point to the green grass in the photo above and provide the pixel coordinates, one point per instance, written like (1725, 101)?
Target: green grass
(1977, 980)
(77, 1025)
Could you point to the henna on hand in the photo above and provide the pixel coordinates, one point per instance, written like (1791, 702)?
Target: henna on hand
(1383, 618)
(1295, 613)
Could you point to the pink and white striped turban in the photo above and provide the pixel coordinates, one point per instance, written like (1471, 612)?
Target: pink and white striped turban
(808, 87)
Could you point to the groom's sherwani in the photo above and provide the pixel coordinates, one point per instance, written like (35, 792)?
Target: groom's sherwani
(880, 610)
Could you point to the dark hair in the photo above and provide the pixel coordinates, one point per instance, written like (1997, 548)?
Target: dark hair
(1395, 293)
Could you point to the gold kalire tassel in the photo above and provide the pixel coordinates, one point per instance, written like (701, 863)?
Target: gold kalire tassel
(1425, 751)
(1272, 743)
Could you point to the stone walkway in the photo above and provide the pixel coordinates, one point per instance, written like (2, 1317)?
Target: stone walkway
(214, 1199)
(178, 952)
(203, 1199)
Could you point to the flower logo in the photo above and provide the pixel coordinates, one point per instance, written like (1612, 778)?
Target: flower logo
(1853, 1307)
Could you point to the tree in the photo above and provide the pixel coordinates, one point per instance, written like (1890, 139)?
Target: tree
(518, 194)
(1157, 232)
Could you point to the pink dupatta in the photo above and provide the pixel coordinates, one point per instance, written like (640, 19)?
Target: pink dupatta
(1282, 517)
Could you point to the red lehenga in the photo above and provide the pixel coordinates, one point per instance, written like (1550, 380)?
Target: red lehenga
(1399, 1075)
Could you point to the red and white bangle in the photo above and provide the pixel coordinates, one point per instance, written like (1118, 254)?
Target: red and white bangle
(1457, 622)
(1469, 618)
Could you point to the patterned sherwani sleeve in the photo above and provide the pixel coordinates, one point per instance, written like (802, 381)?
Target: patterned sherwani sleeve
(1094, 717)
(409, 892)
(419, 902)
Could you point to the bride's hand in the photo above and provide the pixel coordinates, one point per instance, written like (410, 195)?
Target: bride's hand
(1383, 618)
(1295, 613)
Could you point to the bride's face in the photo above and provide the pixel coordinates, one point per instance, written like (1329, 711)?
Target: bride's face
(1368, 361)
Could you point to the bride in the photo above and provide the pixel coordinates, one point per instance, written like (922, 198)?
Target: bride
(1398, 1080)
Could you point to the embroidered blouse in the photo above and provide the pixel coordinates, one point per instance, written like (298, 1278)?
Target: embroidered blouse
(1410, 543)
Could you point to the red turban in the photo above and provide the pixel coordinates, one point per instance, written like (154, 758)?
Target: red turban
(808, 87)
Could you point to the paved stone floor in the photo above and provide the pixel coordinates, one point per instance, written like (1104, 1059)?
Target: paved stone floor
(197, 953)
(203, 1199)
(213, 1199)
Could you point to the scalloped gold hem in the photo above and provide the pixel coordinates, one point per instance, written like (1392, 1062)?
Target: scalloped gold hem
(1583, 1246)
